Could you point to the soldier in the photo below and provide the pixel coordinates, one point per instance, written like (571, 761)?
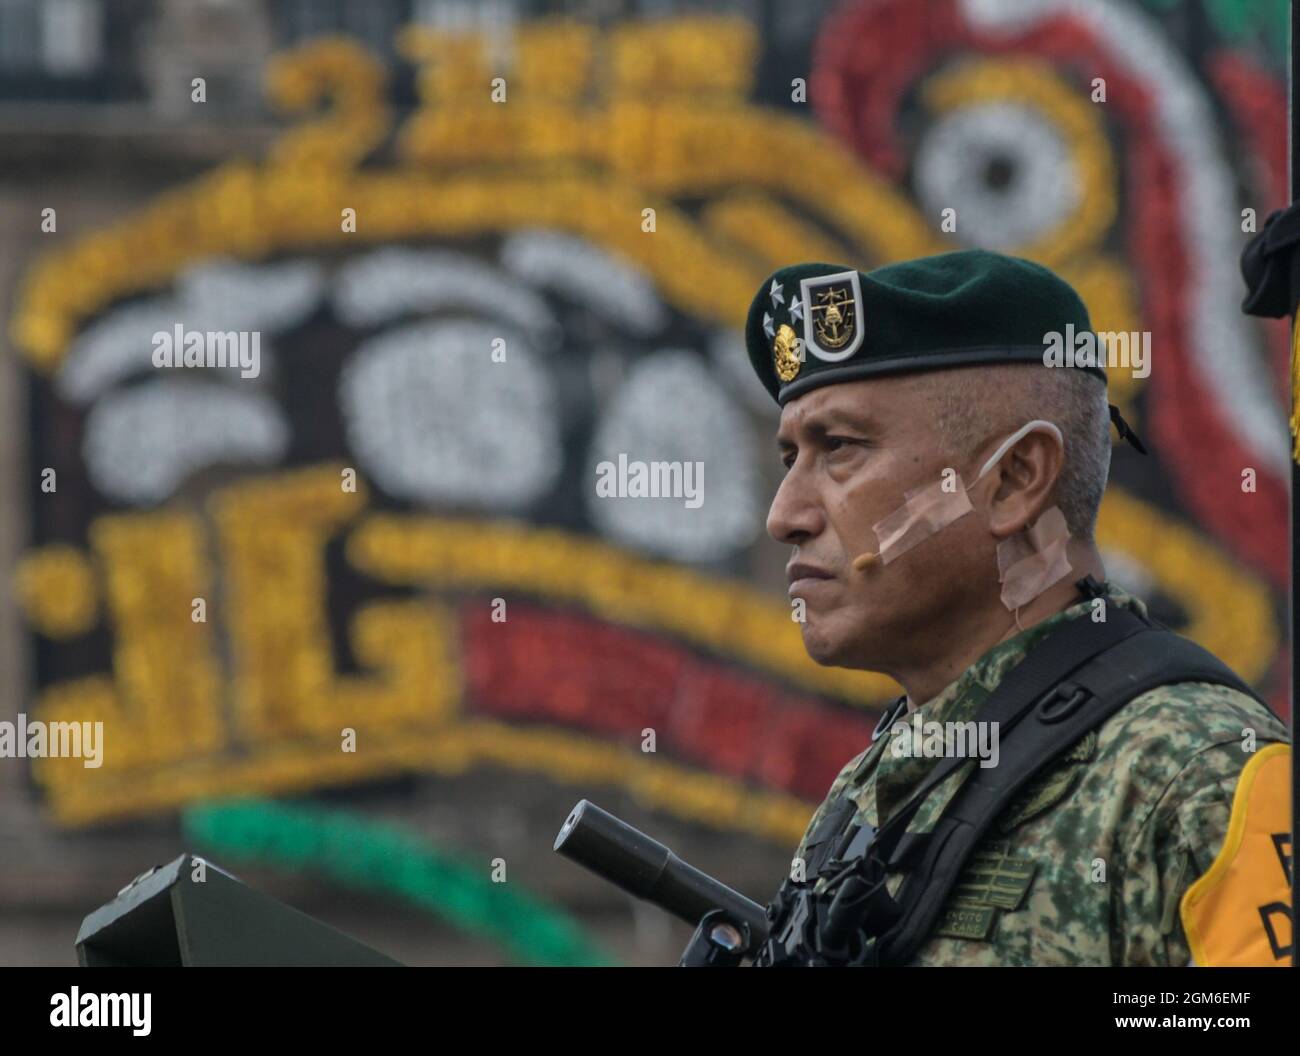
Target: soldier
(1063, 781)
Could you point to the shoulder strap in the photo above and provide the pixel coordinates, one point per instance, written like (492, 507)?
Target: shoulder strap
(1078, 699)
(1063, 650)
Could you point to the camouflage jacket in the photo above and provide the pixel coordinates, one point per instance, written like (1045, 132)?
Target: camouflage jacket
(1089, 864)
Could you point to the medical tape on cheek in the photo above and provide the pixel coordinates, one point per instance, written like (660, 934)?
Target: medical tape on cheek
(925, 510)
(1032, 561)
(932, 507)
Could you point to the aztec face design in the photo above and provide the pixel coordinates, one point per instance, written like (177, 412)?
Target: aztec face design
(351, 514)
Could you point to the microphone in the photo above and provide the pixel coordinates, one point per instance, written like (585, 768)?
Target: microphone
(864, 561)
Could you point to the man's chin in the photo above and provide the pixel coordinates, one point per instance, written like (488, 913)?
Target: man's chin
(826, 649)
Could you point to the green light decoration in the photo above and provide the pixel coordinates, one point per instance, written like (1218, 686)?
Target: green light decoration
(361, 853)
(1242, 23)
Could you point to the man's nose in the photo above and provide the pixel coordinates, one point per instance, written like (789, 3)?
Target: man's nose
(796, 514)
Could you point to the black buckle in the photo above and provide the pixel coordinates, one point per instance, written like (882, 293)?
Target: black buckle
(1090, 588)
(1061, 702)
(860, 909)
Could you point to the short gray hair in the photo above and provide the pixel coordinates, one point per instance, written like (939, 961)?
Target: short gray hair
(973, 405)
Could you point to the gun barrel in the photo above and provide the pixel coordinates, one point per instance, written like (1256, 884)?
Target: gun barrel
(644, 867)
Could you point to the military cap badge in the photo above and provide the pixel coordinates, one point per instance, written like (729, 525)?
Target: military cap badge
(832, 327)
(785, 353)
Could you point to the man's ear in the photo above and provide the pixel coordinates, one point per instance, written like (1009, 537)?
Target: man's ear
(1023, 482)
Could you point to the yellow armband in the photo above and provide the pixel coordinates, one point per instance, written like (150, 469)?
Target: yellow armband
(1239, 912)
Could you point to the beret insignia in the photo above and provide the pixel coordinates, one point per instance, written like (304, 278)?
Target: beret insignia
(832, 327)
(785, 353)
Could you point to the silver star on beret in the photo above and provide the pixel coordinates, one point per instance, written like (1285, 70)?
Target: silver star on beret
(777, 294)
(796, 309)
(768, 328)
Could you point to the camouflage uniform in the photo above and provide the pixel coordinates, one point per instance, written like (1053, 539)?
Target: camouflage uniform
(1088, 865)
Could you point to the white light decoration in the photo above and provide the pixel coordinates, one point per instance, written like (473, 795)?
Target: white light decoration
(608, 286)
(395, 283)
(670, 409)
(272, 298)
(730, 358)
(434, 419)
(216, 295)
(142, 442)
(114, 347)
(951, 163)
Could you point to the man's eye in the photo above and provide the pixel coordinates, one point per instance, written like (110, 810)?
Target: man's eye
(836, 443)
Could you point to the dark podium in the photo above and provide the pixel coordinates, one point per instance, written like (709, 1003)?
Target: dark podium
(167, 919)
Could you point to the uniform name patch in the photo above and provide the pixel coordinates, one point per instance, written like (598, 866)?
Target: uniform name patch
(994, 879)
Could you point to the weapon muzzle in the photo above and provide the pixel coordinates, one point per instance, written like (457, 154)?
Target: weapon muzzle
(641, 866)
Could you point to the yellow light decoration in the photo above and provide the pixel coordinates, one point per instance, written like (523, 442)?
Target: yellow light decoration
(1106, 287)
(272, 537)
(291, 212)
(81, 796)
(56, 590)
(166, 665)
(1228, 611)
(92, 700)
(243, 210)
(761, 226)
(671, 148)
(454, 65)
(553, 58)
(354, 82)
(681, 55)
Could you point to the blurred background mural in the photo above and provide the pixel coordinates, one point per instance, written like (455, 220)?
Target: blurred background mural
(394, 530)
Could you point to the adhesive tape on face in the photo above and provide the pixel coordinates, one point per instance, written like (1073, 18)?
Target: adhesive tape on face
(925, 510)
(1034, 560)
(932, 507)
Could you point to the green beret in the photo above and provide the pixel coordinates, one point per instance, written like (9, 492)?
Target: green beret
(818, 324)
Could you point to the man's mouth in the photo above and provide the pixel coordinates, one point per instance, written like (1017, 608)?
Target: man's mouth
(803, 577)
